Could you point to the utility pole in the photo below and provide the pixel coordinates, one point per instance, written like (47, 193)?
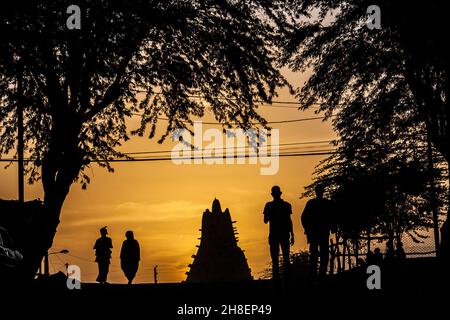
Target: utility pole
(20, 144)
(155, 274)
(46, 266)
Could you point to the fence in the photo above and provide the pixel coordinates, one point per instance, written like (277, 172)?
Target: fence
(345, 255)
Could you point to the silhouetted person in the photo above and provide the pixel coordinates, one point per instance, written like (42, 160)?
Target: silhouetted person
(389, 256)
(278, 214)
(377, 257)
(400, 253)
(102, 248)
(316, 223)
(130, 256)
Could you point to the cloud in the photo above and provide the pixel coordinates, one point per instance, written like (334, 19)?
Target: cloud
(138, 212)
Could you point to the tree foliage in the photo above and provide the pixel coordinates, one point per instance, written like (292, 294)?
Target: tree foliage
(404, 66)
(129, 57)
(144, 57)
(387, 92)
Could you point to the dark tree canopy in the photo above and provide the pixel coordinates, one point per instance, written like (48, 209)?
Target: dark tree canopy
(387, 92)
(144, 57)
(383, 187)
(404, 65)
(78, 87)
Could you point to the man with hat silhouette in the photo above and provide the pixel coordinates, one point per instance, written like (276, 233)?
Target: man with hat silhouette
(102, 248)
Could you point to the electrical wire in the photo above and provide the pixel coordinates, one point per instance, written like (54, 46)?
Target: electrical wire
(226, 148)
(299, 154)
(235, 99)
(253, 123)
(304, 154)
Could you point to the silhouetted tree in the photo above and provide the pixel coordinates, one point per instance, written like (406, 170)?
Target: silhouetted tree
(381, 182)
(136, 56)
(373, 79)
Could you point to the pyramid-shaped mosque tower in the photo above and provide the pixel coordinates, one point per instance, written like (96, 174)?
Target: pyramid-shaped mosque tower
(219, 258)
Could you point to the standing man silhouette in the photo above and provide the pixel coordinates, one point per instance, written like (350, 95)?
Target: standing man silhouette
(130, 256)
(278, 214)
(316, 223)
(102, 248)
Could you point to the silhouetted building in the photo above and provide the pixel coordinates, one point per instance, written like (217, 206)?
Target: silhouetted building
(219, 258)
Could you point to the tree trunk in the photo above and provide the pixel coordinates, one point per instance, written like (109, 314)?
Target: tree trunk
(59, 171)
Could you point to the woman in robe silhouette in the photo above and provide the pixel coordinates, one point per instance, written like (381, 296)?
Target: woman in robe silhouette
(130, 256)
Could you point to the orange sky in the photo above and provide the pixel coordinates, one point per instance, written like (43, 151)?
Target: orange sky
(163, 203)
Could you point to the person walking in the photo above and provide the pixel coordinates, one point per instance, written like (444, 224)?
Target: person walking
(130, 256)
(281, 235)
(316, 223)
(103, 250)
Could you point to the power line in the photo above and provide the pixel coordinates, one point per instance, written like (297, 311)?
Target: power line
(306, 144)
(298, 154)
(90, 261)
(80, 258)
(289, 103)
(283, 106)
(63, 264)
(147, 159)
(254, 123)
(225, 148)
